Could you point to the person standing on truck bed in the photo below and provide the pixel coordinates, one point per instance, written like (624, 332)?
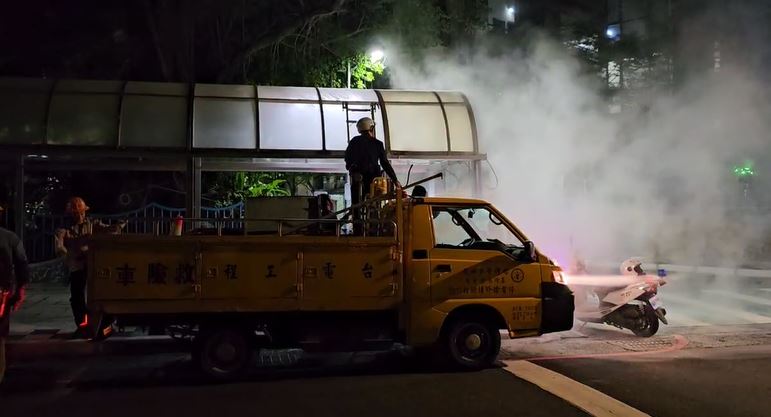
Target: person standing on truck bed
(71, 243)
(364, 157)
(14, 276)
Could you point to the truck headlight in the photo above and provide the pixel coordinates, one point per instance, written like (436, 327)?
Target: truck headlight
(558, 276)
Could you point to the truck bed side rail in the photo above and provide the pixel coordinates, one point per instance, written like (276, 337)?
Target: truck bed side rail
(264, 226)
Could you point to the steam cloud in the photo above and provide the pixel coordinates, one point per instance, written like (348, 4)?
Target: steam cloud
(653, 181)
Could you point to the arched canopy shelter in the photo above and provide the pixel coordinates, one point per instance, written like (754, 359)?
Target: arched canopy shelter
(129, 125)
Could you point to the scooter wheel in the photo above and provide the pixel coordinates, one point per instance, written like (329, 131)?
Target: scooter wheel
(649, 324)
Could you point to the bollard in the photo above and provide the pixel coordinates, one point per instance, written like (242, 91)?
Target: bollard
(176, 230)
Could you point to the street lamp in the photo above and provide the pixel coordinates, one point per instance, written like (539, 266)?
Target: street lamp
(376, 55)
(745, 173)
(510, 13)
(613, 32)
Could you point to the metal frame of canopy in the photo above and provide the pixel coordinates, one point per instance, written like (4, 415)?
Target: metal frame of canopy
(45, 149)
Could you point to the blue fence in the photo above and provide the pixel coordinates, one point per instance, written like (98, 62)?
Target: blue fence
(39, 233)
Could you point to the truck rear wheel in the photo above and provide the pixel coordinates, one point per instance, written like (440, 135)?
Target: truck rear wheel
(472, 343)
(223, 354)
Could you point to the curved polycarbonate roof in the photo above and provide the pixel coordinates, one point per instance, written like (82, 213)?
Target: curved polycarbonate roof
(236, 119)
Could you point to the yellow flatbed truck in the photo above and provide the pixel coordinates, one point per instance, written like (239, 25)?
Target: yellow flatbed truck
(445, 277)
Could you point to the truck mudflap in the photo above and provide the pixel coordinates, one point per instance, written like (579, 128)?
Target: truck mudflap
(557, 307)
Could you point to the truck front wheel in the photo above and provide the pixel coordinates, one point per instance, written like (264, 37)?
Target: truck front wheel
(472, 343)
(223, 354)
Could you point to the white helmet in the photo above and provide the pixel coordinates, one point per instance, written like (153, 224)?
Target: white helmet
(631, 266)
(365, 124)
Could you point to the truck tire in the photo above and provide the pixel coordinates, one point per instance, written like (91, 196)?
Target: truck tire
(471, 343)
(223, 354)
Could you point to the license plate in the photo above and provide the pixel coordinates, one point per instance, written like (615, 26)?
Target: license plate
(655, 303)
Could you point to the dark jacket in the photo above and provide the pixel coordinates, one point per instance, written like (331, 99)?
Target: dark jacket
(70, 241)
(365, 155)
(13, 261)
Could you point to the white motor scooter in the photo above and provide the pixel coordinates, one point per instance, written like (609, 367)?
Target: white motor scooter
(628, 301)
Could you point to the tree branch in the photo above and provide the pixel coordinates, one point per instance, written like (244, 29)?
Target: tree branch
(274, 37)
(156, 40)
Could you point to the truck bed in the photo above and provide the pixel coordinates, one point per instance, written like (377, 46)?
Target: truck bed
(147, 274)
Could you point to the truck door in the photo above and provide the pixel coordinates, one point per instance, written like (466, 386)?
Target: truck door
(477, 255)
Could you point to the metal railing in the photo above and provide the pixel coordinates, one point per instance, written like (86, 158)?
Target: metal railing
(40, 229)
(282, 226)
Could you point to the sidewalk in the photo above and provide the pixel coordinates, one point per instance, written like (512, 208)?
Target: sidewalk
(43, 325)
(45, 311)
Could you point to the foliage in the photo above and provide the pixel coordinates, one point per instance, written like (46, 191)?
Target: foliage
(335, 73)
(230, 188)
(416, 24)
(267, 42)
(41, 190)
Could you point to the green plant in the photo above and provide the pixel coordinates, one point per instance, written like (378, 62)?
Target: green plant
(258, 184)
(227, 188)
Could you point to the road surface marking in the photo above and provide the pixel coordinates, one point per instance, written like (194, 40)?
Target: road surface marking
(744, 315)
(584, 397)
(741, 297)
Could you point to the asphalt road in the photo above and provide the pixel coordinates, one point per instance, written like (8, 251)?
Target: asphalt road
(731, 380)
(728, 381)
(713, 360)
(165, 385)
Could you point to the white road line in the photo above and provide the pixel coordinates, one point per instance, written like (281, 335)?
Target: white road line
(742, 297)
(584, 397)
(704, 306)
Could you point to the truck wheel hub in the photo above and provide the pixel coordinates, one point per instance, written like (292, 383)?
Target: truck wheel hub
(225, 352)
(473, 342)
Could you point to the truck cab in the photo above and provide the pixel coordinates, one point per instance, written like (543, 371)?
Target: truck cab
(442, 275)
(472, 273)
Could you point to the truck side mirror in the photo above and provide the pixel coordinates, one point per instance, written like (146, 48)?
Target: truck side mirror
(530, 254)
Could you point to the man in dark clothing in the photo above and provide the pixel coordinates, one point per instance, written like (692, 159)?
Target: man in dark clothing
(364, 157)
(70, 242)
(14, 276)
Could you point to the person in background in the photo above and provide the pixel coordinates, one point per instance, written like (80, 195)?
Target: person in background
(364, 157)
(71, 242)
(14, 276)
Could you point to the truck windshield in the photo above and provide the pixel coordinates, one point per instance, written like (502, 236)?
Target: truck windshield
(472, 227)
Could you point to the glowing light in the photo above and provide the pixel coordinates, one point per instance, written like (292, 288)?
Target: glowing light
(377, 55)
(510, 12)
(613, 32)
(608, 281)
(745, 170)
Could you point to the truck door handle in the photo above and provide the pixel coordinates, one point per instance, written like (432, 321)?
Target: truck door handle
(444, 268)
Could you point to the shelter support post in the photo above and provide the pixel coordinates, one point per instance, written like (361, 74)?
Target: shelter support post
(193, 195)
(477, 173)
(18, 197)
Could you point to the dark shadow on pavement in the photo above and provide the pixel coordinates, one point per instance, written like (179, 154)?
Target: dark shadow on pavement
(181, 371)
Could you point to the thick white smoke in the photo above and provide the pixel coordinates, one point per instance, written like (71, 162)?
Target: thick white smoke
(654, 182)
